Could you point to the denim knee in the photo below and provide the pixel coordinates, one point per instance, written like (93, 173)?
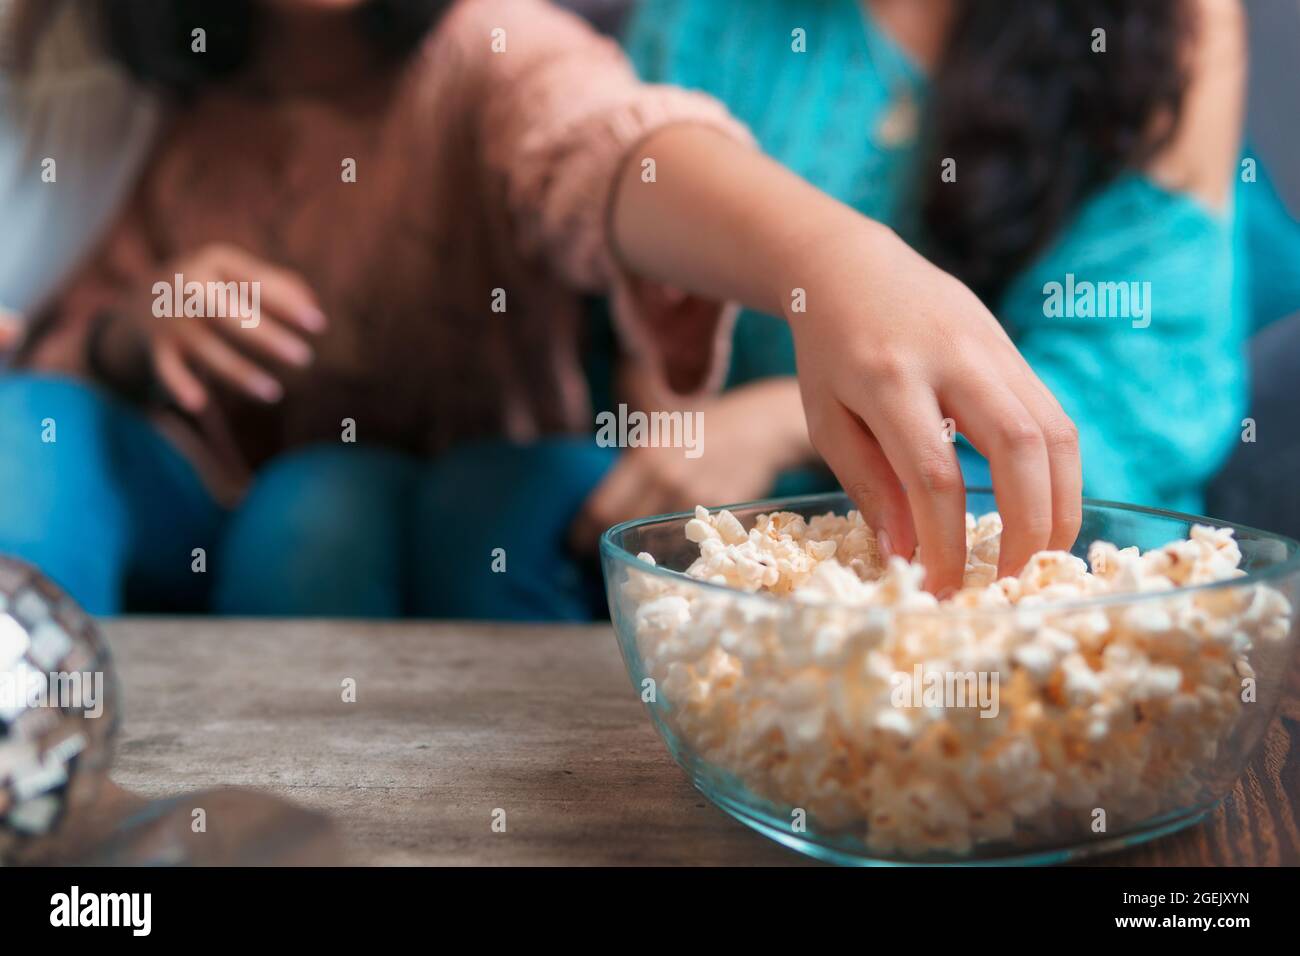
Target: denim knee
(320, 534)
(490, 536)
(60, 507)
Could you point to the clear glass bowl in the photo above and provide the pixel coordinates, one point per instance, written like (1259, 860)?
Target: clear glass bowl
(801, 747)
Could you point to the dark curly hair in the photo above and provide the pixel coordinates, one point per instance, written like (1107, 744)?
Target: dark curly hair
(1037, 121)
(152, 38)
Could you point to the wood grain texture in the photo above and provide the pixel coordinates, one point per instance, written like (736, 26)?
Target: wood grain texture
(453, 721)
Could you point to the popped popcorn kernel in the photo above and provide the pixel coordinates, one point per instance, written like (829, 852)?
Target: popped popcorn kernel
(826, 700)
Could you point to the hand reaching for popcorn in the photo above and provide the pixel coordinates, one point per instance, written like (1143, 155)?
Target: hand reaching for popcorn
(888, 348)
(877, 392)
(242, 353)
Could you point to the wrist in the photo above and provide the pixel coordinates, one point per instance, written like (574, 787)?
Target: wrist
(838, 243)
(118, 355)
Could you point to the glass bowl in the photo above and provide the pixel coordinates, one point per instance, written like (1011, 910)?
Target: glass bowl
(786, 714)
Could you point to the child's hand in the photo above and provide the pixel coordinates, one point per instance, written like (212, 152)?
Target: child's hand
(234, 349)
(733, 460)
(894, 356)
(888, 346)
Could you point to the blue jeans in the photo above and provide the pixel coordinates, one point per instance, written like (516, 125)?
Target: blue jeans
(112, 512)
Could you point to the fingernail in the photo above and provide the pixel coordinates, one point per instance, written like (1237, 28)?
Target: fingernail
(300, 352)
(946, 593)
(313, 319)
(269, 390)
(885, 543)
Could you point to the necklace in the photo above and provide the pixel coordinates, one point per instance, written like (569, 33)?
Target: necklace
(900, 123)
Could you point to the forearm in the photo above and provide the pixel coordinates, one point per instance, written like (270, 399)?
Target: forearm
(94, 343)
(723, 220)
(892, 352)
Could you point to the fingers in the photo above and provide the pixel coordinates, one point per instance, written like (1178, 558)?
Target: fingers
(1011, 438)
(864, 472)
(282, 291)
(177, 378)
(273, 340)
(907, 423)
(283, 304)
(1062, 440)
(204, 347)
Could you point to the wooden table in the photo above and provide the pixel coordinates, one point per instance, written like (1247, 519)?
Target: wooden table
(453, 722)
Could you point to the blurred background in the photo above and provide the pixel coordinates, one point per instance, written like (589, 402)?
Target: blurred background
(1273, 121)
(1165, 414)
(1273, 118)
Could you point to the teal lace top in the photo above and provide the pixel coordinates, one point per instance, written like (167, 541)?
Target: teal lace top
(1159, 400)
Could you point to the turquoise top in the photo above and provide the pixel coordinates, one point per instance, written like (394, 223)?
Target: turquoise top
(1158, 407)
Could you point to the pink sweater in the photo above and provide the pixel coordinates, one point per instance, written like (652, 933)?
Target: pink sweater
(475, 171)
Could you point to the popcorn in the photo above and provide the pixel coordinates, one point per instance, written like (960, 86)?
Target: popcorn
(1114, 705)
